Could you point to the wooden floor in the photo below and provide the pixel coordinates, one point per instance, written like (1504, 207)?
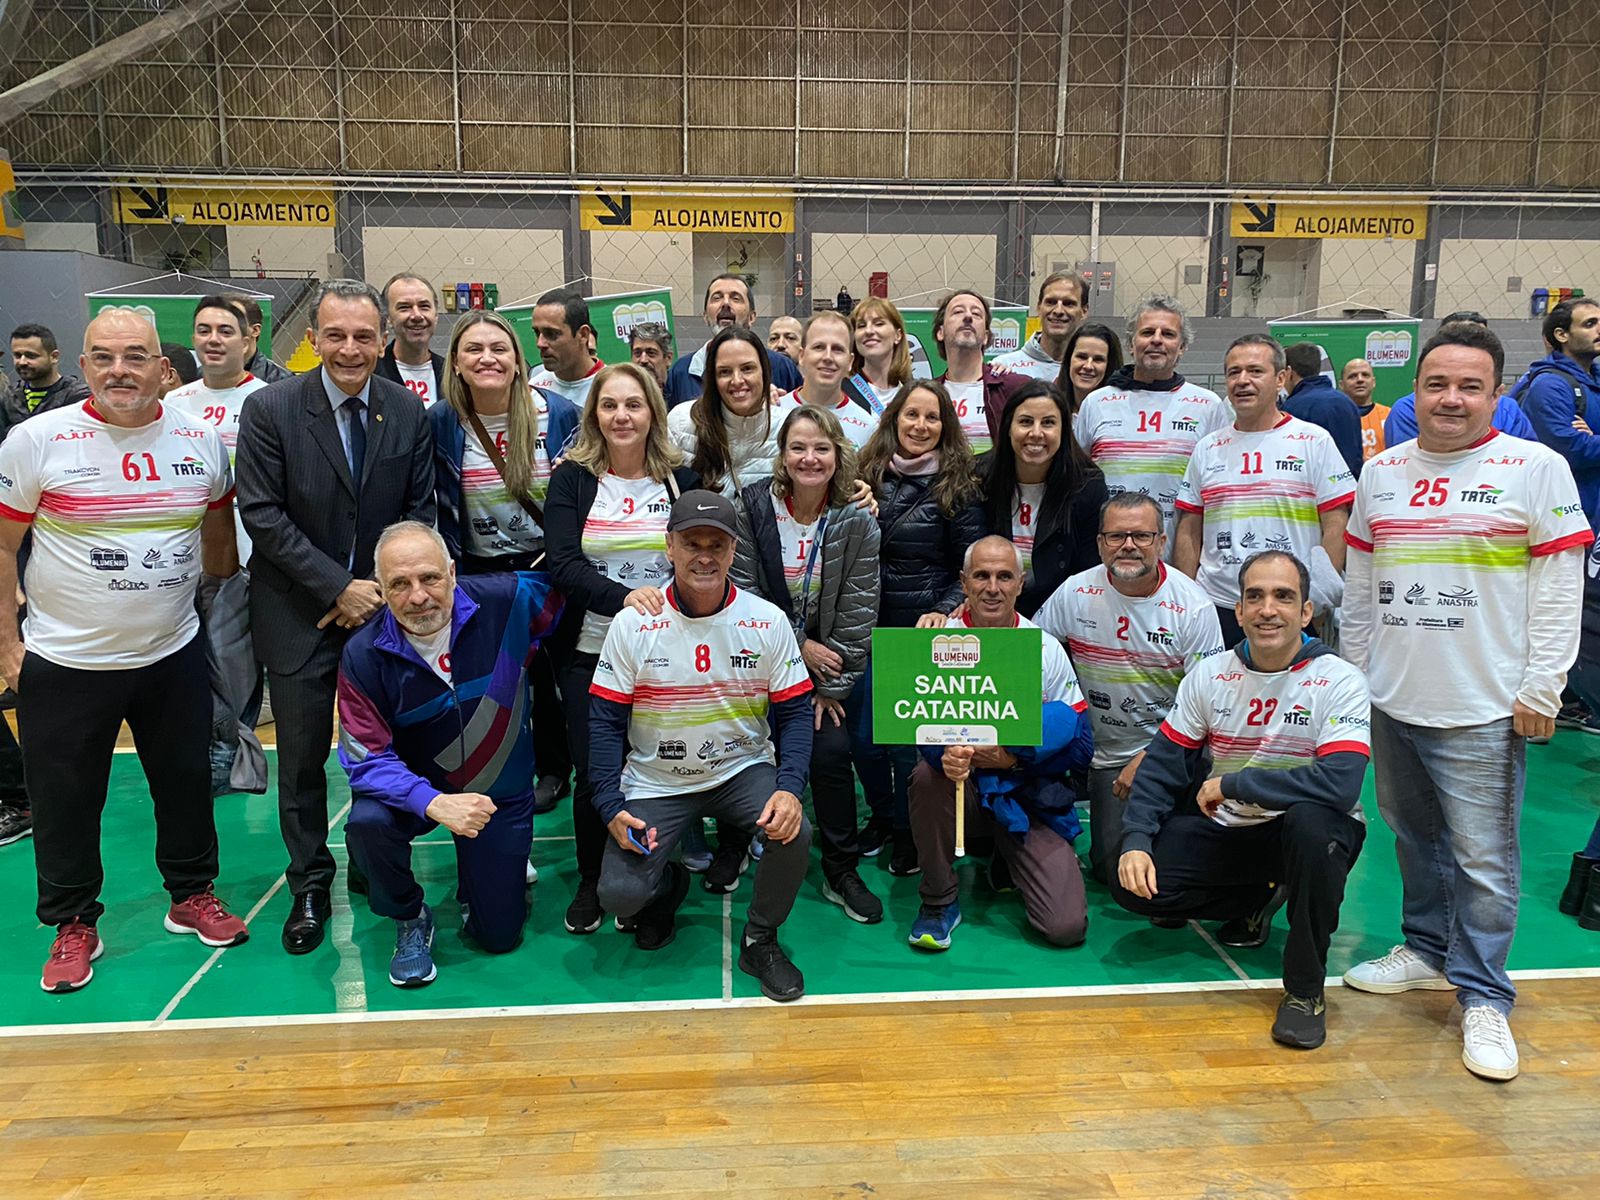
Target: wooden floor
(1149, 1097)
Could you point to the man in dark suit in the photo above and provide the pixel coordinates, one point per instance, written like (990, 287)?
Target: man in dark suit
(325, 461)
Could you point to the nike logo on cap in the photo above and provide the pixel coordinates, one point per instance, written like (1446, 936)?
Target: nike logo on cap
(706, 507)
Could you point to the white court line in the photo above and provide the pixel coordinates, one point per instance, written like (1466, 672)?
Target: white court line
(216, 954)
(727, 947)
(707, 1005)
(419, 844)
(1217, 946)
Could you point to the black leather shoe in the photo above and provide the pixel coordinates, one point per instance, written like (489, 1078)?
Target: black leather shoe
(548, 792)
(308, 921)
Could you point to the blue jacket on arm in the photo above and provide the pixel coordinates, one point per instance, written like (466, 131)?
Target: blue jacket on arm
(1549, 394)
(450, 442)
(1036, 791)
(1318, 401)
(405, 736)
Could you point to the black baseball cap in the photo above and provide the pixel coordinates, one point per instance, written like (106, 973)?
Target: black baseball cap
(703, 510)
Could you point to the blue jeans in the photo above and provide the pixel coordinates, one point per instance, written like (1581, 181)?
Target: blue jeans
(1454, 800)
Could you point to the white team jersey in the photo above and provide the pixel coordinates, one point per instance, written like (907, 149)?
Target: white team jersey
(700, 688)
(220, 408)
(493, 523)
(577, 391)
(625, 539)
(1142, 440)
(1059, 680)
(802, 557)
(1261, 491)
(1025, 507)
(116, 519)
(418, 381)
(1270, 720)
(1131, 652)
(1451, 538)
(972, 408)
(858, 424)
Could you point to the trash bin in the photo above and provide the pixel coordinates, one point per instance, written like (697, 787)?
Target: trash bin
(1539, 302)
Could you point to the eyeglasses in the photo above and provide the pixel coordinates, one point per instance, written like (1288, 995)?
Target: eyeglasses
(1142, 538)
(134, 361)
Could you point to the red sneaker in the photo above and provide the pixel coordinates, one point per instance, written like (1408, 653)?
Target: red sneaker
(208, 919)
(67, 969)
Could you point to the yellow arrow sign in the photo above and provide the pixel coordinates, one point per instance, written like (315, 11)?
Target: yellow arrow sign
(1362, 220)
(645, 212)
(152, 204)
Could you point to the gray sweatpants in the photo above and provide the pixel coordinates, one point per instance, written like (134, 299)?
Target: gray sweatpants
(629, 881)
(1105, 822)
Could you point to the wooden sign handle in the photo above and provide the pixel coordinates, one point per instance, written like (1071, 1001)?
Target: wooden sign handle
(961, 818)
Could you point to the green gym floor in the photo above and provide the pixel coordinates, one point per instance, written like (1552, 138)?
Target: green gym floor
(150, 978)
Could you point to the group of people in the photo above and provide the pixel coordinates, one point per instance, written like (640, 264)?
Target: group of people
(655, 582)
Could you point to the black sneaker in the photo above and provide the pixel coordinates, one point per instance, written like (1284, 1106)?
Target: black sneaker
(764, 959)
(1248, 933)
(584, 914)
(548, 792)
(1000, 874)
(852, 895)
(657, 922)
(1572, 716)
(1302, 1022)
(15, 823)
(727, 864)
(874, 836)
(903, 857)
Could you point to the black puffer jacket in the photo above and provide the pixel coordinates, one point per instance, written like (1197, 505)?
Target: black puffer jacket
(920, 550)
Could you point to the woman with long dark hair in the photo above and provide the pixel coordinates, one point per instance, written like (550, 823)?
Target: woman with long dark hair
(730, 433)
(1041, 491)
(1092, 354)
(920, 465)
(607, 522)
(808, 548)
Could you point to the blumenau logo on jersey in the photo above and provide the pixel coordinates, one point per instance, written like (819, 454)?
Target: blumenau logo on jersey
(956, 650)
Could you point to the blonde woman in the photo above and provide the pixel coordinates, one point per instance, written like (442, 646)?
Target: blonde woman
(606, 517)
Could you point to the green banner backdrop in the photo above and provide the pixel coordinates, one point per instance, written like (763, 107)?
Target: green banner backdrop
(173, 316)
(1390, 345)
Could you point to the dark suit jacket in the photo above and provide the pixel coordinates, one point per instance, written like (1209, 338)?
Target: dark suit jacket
(302, 511)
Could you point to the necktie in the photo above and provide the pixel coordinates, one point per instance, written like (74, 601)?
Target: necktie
(358, 437)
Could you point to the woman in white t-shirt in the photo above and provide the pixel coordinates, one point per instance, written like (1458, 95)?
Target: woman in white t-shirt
(729, 433)
(882, 363)
(606, 522)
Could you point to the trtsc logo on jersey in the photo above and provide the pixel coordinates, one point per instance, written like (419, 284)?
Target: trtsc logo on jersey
(189, 466)
(1184, 425)
(1290, 462)
(1159, 637)
(657, 507)
(745, 659)
(108, 560)
(1484, 493)
(1298, 715)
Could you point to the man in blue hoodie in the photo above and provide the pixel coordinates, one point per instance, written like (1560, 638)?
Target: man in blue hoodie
(1312, 397)
(433, 730)
(1561, 391)
(1249, 796)
(1019, 796)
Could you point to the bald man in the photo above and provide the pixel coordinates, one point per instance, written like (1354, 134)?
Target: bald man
(129, 502)
(1357, 381)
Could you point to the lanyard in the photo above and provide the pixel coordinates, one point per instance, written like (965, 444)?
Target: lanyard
(864, 387)
(811, 562)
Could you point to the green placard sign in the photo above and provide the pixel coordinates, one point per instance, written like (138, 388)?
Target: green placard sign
(173, 316)
(957, 687)
(1009, 327)
(613, 318)
(1390, 345)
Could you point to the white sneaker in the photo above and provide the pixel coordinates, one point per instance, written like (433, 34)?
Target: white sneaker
(533, 873)
(1487, 1047)
(1400, 970)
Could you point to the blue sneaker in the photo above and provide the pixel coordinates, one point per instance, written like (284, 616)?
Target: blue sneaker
(412, 964)
(934, 925)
